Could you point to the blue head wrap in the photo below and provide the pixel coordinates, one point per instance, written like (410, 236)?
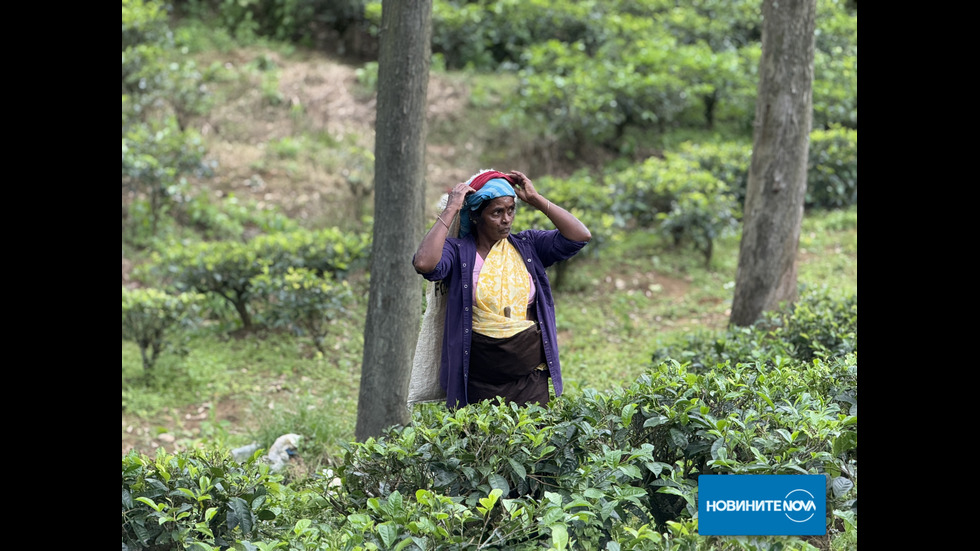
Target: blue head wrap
(492, 189)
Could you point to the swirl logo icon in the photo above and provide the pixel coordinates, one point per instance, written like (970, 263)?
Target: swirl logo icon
(796, 507)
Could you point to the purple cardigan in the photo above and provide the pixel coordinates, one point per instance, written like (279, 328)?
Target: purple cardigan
(540, 249)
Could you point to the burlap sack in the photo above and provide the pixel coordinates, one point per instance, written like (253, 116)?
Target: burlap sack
(424, 385)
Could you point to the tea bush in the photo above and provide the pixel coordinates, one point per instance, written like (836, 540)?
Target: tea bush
(230, 217)
(832, 168)
(173, 501)
(727, 161)
(303, 302)
(609, 470)
(286, 20)
(676, 197)
(227, 269)
(819, 325)
(151, 317)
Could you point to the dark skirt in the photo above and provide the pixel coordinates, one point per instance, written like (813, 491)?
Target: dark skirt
(507, 368)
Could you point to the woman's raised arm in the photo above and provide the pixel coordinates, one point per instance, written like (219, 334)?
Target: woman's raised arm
(566, 223)
(430, 249)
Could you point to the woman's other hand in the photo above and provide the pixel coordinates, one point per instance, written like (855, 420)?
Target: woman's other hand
(564, 221)
(526, 192)
(457, 197)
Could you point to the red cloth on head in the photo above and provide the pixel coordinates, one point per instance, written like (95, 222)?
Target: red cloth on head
(485, 177)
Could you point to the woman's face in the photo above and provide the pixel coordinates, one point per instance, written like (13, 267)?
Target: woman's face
(497, 217)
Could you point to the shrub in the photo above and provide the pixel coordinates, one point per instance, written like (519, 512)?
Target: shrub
(226, 268)
(589, 471)
(583, 195)
(149, 317)
(832, 168)
(221, 268)
(676, 197)
(701, 214)
(329, 252)
(835, 66)
(727, 161)
(176, 501)
(303, 302)
(610, 463)
(160, 92)
(231, 218)
(155, 157)
(284, 20)
(487, 35)
(819, 325)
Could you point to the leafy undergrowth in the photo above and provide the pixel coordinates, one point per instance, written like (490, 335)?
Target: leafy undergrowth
(596, 470)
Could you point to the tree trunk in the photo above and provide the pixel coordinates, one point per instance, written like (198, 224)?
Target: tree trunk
(777, 175)
(394, 307)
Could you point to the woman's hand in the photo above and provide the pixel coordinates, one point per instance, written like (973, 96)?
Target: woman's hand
(526, 192)
(564, 221)
(430, 249)
(457, 197)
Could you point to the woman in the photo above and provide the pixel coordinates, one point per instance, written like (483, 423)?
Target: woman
(500, 338)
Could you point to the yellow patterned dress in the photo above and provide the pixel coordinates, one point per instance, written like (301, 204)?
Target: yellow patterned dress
(507, 356)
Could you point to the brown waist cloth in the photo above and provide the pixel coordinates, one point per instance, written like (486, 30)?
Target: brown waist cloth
(506, 368)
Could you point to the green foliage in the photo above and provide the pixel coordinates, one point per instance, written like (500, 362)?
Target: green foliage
(596, 470)
(640, 77)
(619, 462)
(227, 269)
(155, 156)
(592, 72)
(329, 252)
(296, 21)
(200, 497)
(727, 161)
(832, 168)
(677, 197)
(156, 79)
(150, 316)
(819, 325)
(231, 218)
(835, 66)
(583, 195)
(303, 302)
(485, 35)
(600, 71)
(724, 25)
(221, 268)
(160, 92)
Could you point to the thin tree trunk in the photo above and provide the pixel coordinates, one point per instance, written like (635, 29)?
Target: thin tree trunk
(767, 271)
(394, 307)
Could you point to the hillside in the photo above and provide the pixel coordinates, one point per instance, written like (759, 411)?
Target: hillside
(289, 145)
(247, 133)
